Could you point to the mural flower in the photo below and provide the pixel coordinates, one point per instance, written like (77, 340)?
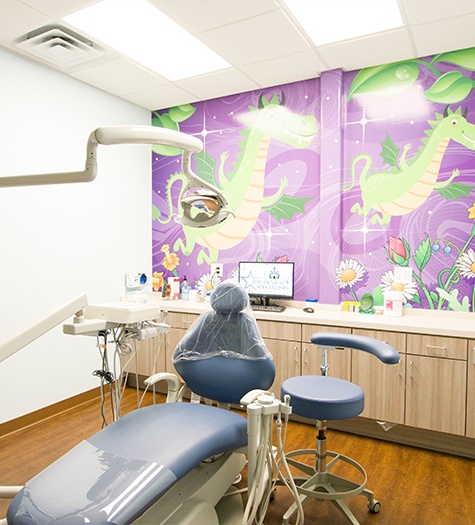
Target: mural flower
(398, 251)
(171, 260)
(389, 283)
(348, 273)
(208, 282)
(466, 264)
(157, 281)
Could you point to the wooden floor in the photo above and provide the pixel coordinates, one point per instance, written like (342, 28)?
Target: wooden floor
(415, 487)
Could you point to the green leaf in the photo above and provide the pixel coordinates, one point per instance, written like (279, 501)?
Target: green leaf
(455, 190)
(450, 88)
(205, 165)
(416, 298)
(181, 113)
(287, 207)
(423, 253)
(156, 213)
(390, 151)
(464, 58)
(385, 80)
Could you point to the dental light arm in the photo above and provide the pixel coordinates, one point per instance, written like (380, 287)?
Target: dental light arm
(202, 203)
(41, 327)
(109, 136)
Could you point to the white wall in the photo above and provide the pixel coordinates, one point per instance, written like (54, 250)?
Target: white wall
(59, 241)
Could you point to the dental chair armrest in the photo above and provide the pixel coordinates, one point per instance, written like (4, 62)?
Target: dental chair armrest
(384, 352)
(174, 385)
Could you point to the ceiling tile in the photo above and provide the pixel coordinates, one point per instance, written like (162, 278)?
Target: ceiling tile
(282, 70)
(390, 46)
(161, 97)
(423, 11)
(18, 19)
(204, 15)
(256, 39)
(119, 76)
(447, 35)
(57, 8)
(218, 84)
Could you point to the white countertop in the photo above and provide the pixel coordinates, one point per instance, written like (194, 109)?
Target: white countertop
(443, 323)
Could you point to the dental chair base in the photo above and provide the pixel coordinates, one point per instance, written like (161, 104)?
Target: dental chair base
(319, 483)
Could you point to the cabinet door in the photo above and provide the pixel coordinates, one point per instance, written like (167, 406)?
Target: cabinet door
(471, 390)
(338, 359)
(383, 385)
(286, 356)
(435, 394)
(147, 357)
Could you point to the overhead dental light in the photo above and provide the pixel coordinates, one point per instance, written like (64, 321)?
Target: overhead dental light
(201, 203)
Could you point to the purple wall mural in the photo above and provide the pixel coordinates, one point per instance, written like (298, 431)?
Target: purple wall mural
(353, 176)
(262, 150)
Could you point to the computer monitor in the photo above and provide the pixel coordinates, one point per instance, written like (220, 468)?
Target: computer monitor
(267, 280)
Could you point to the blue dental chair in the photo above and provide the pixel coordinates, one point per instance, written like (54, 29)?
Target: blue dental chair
(323, 398)
(169, 463)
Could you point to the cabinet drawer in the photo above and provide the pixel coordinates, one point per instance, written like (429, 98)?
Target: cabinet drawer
(396, 339)
(309, 329)
(437, 346)
(276, 330)
(180, 320)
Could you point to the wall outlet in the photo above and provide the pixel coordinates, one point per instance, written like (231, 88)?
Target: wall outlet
(217, 268)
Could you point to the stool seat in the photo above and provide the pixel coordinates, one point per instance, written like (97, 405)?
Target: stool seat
(323, 397)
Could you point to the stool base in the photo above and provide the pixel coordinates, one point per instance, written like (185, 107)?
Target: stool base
(327, 486)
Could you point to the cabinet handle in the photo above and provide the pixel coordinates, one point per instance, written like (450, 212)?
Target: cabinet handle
(434, 347)
(296, 354)
(410, 369)
(305, 355)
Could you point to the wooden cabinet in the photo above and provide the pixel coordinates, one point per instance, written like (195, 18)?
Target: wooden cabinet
(179, 324)
(383, 385)
(470, 432)
(283, 342)
(338, 359)
(436, 383)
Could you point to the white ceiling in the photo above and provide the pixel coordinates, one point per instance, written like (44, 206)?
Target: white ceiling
(259, 38)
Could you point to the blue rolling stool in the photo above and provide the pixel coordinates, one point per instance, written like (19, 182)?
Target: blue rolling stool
(328, 398)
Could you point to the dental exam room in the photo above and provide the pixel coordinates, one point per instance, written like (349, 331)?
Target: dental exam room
(238, 249)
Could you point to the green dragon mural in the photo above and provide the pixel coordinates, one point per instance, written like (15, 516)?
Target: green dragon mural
(410, 182)
(244, 187)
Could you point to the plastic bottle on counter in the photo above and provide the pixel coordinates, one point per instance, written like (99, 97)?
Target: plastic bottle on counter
(393, 303)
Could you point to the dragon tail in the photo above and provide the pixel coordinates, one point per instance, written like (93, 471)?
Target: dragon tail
(174, 178)
(368, 161)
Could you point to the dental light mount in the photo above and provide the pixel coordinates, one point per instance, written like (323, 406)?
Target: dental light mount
(202, 203)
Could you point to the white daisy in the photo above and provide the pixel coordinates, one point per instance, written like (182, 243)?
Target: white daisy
(208, 282)
(349, 272)
(466, 264)
(389, 283)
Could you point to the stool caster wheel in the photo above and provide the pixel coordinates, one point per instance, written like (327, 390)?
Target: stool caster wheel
(374, 506)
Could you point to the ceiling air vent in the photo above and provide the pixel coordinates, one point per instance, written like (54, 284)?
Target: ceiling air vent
(59, 46)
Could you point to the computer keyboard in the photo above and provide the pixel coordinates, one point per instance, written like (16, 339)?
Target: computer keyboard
(267, 308)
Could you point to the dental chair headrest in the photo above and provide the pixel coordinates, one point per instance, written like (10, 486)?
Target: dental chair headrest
(229, 297)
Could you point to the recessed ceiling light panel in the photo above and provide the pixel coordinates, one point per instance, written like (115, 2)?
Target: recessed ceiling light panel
(141, 32)
(329, 21)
